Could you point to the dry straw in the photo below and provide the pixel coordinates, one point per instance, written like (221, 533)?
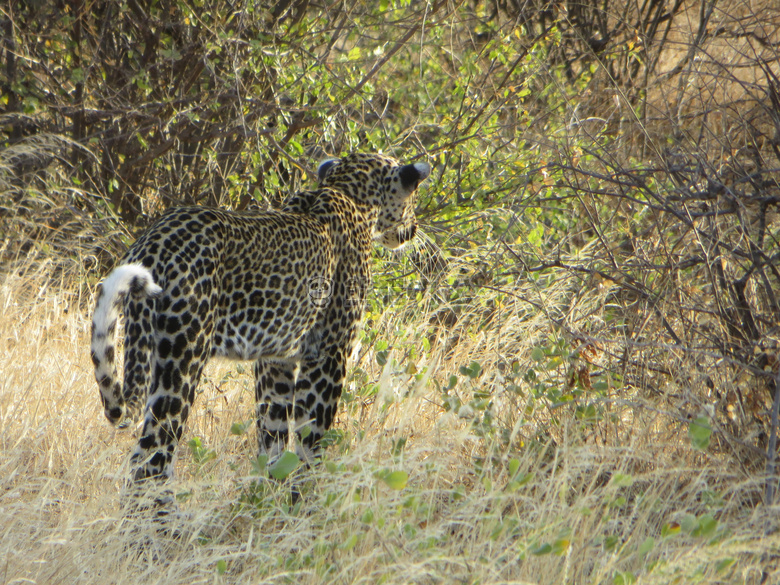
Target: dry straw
(570, 508)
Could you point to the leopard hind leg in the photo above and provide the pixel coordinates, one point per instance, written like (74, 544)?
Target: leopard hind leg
(182, 346)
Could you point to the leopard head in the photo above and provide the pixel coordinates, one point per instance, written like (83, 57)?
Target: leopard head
(384, 186)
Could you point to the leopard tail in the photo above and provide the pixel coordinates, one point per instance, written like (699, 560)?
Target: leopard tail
(133, 279)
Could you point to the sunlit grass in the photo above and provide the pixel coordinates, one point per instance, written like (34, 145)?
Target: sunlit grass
(597, 504)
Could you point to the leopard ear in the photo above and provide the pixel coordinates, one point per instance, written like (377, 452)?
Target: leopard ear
(322, 170)
(412, 175)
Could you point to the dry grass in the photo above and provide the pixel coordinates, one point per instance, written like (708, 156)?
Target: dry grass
(584, 506)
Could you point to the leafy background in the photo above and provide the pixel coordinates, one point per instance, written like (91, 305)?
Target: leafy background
(571, 375)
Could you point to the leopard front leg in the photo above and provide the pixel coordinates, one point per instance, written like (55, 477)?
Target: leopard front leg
(300, 398)
(317, 393)
(323, 369)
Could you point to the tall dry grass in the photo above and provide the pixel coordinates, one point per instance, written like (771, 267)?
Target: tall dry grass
(579, 507)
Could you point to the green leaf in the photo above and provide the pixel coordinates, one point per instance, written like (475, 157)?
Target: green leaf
(537, 354)
(498, 529)
(618, 502)
(646, 546)
(398, 446)
(239, 428)
(221, 567)
(699, 432)
(514, 467)
(670, 529)
(560, 546)
(724, 564)
(517, 483)
(622, 480)
(621, 578)
(472, 371)
(259, 463)
(284, 466)
(535, 235)
(545, 549)
(707, 525)
(170, 54)
(350, 543)
(200, 454)
(526, 478)
(396, 479)
(610, 542)
(689, 523)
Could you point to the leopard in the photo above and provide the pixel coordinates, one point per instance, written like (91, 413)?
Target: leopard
(283, 288)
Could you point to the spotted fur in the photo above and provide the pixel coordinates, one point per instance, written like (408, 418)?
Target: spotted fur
(285, 289)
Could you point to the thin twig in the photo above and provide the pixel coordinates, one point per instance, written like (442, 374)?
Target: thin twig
(771, 454)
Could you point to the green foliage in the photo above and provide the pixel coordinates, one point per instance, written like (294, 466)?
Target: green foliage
(200, 454)
(472, 371)
(395, 479)
(239, 428)
(699, 432)
(221, 567)
(284, 465)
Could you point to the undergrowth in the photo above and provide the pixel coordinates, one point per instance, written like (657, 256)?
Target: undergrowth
(449, 470)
